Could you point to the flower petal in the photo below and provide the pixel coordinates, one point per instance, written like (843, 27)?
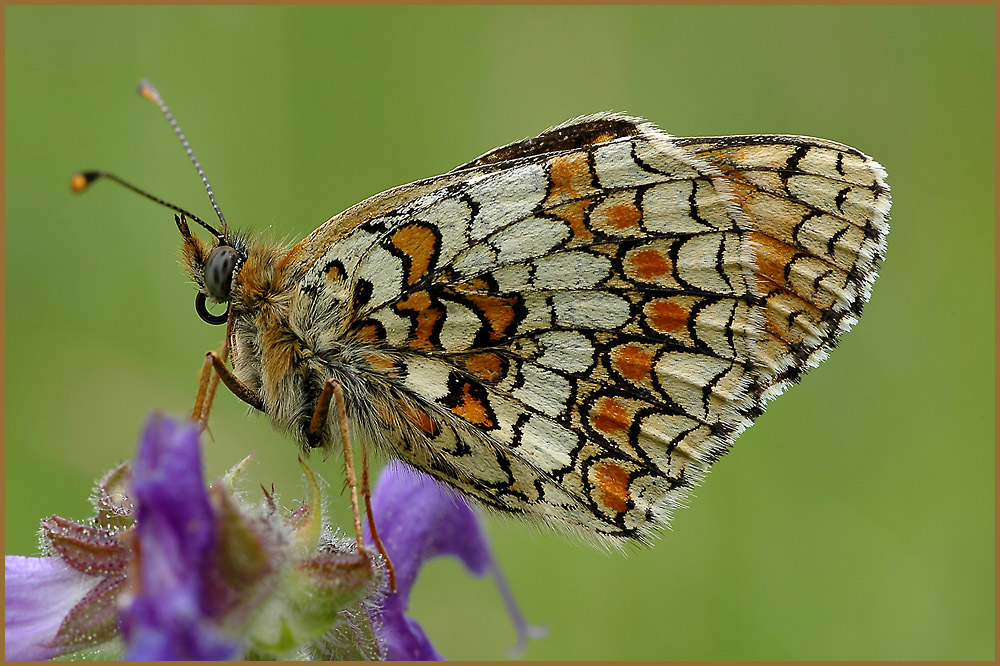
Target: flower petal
(419, 519)
(38, 594)
(167, 484)
(175, 531)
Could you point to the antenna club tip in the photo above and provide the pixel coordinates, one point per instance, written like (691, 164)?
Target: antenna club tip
(79, 182)
(146, 89)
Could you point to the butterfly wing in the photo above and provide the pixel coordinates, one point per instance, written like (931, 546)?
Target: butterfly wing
(573, 327)
(819, 214)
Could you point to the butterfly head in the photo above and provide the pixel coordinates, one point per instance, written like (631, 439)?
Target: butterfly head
(213, 267)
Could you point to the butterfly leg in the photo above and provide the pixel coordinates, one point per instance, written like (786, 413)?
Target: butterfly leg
(209, 382)
(206, 391)
(332, 389)
(366, 493)
(239, 389)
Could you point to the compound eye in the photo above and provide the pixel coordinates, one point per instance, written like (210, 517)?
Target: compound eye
(219, 271)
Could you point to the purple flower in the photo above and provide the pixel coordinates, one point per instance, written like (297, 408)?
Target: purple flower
(219, 578)
(419, 519)
(182, 571)
(67, 602)
(167, 618)
(39, 593)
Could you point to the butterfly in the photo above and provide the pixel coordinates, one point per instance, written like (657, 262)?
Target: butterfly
(570, 328)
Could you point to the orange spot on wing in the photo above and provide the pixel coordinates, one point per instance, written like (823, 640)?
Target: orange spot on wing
(427, 315)
(633, 362)
(501, 312)
(472, 408)
(667, 316)
(473, 286)
(772, 257)
(743, 194)
(370, 332)
(420, 244)
(622, 216)
(612, 482)
(611, 417)
(333, 273)
(571, 177)
(574, 213)
(650, 263)
(489, 367)
(417, 301)
(421, 419)
(383, 363)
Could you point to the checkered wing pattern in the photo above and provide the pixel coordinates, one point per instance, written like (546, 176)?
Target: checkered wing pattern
(575, 326)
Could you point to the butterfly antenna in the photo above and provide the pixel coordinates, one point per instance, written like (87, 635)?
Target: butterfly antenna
(82, 181)
(147, 90)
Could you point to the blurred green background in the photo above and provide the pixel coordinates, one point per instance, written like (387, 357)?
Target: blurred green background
(854, 521)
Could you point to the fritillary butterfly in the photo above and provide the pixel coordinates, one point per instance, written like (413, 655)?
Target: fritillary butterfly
(572, 327)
